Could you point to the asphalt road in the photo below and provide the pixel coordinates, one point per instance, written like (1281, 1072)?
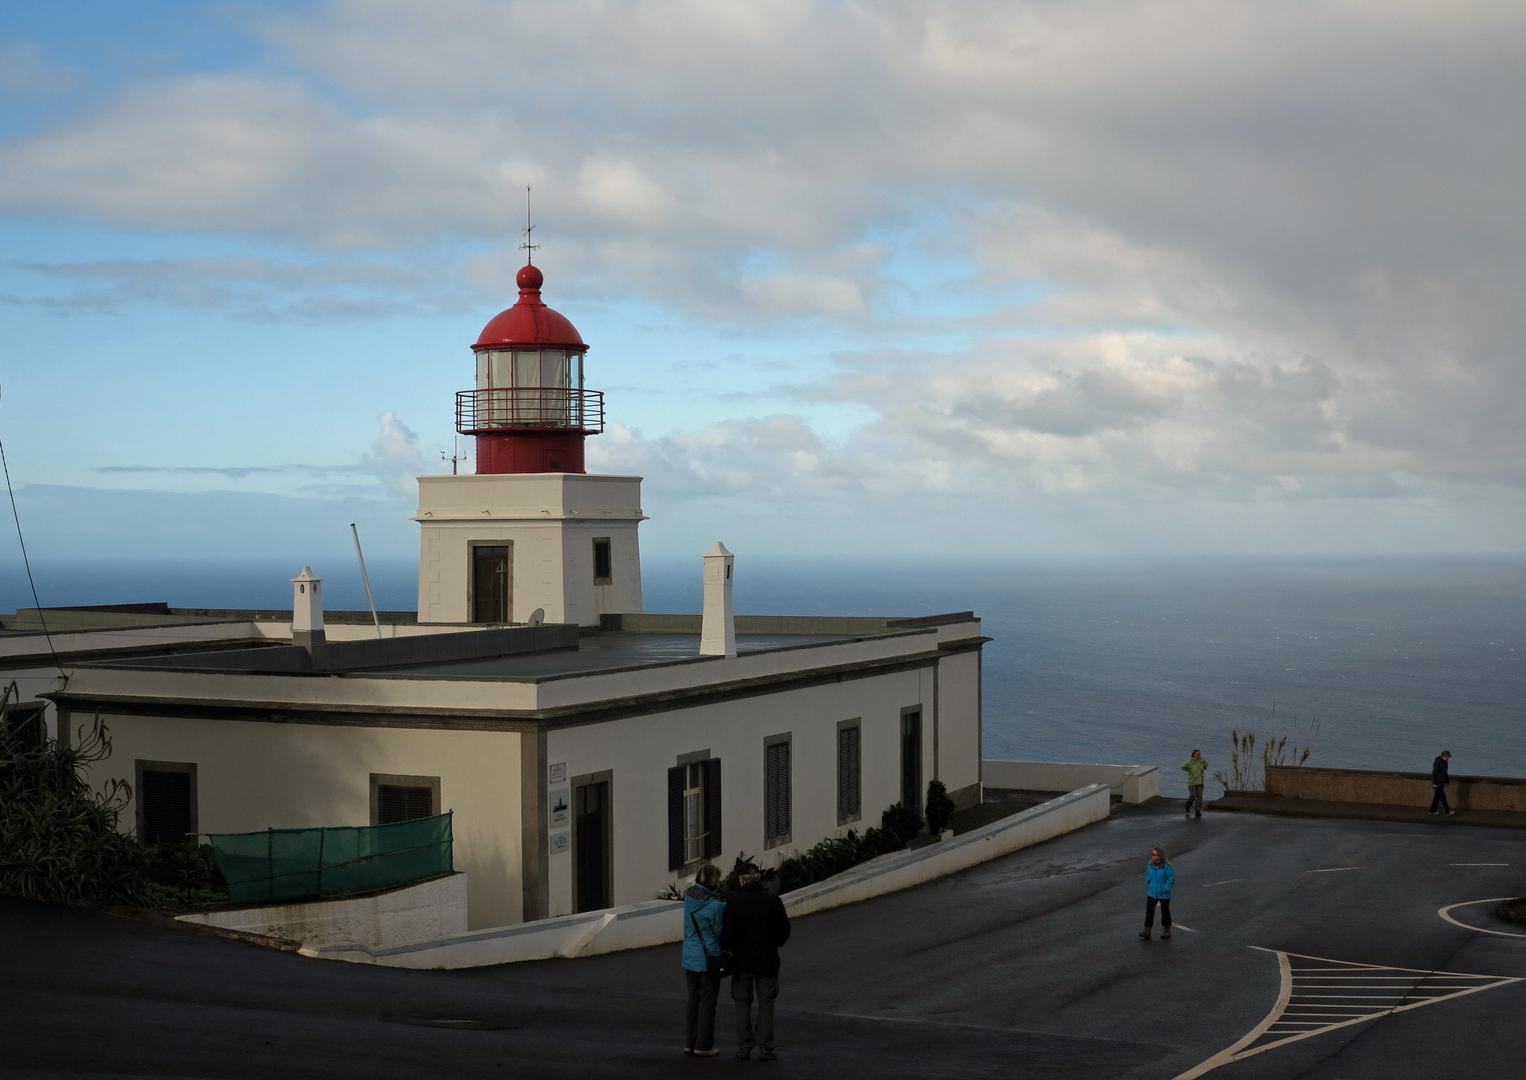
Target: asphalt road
(1026, 967)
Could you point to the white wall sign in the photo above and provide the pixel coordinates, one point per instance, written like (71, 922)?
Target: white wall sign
(557, 774)
(560, 842)
(561, 811)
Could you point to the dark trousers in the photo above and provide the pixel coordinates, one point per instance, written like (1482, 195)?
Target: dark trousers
(704, 988)
(1165, 912)
(743, 989)
(1440, 799)
(1194, 798)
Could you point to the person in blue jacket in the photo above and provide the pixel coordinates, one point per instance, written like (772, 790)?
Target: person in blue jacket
(703, 912)
(1160, 879)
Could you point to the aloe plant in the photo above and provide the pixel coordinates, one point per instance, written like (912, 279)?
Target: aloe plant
(58, 834)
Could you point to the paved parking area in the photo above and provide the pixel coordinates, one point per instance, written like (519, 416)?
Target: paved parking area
(1308, 948)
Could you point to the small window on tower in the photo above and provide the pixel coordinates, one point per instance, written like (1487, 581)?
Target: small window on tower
(603, 570)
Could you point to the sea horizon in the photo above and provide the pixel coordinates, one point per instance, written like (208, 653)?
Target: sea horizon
(1375, 662)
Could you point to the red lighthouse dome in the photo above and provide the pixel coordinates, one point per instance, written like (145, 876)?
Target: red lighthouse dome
(530, 411)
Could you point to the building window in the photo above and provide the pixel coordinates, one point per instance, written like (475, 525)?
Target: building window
(166, 801)
(403, 798)
(694, 809)
(849, 757)
(776, 790)
(603, 568)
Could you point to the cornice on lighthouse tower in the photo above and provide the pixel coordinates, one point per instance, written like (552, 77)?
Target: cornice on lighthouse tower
(531, 530)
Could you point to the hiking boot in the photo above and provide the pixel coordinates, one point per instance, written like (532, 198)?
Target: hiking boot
(1144, 935)
(1164, 935)
(1451, 812)
(744, 1053)
(712, 1052)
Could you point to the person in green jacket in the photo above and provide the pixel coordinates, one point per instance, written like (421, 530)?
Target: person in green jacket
(1195, 767)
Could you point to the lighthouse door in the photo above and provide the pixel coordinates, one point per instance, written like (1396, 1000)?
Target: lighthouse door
(491, 583)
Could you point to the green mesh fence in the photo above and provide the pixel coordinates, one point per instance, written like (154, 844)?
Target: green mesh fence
(305, 864)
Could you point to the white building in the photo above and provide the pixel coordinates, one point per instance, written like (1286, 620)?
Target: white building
(591, 754)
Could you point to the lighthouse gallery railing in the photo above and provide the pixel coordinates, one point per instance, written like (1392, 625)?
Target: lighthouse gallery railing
(503, 408)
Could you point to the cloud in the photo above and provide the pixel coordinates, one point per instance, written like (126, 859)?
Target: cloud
(311, 290)
(1083, 251)
(395, 458)
(394, 463)
(24, 71)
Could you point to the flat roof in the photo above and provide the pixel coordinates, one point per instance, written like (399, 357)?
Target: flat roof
(605, 651)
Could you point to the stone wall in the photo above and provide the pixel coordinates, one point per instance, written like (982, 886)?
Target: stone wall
(1394, 788)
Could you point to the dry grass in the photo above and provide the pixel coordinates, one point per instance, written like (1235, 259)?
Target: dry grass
(1247, 769)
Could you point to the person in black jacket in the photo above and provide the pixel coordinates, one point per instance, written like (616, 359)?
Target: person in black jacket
(1439, 782)
(753, 929)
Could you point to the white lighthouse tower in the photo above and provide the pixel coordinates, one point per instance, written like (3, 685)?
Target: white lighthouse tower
(531, 529)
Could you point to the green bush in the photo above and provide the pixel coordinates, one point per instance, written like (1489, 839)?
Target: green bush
(902, 820)
(939, 807)
(59, 840)
(58, 836)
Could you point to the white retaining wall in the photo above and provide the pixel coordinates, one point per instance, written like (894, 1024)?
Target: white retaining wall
(660, 922)
(1133, 783)
(422, 912)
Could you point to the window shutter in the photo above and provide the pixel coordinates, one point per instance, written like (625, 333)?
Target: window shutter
(166, 800)
(776, 783)
(848, 772)
(712, 807)
(675, 818)
(395, 803)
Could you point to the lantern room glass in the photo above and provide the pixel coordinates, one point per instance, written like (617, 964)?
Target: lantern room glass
(532, 386)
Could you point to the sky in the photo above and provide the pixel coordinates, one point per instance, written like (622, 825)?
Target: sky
(957, 280)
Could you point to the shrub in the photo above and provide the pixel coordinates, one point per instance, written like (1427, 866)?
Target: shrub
(59, 840)
(58, 837)
(1246, 772)
(902, 820)
(939, 807)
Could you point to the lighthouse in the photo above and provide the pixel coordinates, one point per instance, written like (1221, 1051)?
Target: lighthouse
(531, 530)
(529, 411)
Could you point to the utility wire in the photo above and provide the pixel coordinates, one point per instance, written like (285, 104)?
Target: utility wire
(26, 562)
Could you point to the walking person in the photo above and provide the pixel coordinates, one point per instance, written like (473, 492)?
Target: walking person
(1160, 879)
(1439, 782)
(1195, 767)
(755, 927)
(704, 914)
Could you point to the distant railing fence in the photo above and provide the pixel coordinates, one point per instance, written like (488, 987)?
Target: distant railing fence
(302, 864)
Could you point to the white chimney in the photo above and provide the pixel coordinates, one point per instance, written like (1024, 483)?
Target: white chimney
(307, 609)
(717, 631)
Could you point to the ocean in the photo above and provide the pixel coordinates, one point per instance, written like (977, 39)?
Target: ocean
(1377, 663)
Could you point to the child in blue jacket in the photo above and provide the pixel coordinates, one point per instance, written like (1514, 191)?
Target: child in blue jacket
(1160, 878)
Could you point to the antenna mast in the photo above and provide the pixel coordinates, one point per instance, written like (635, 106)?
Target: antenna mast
(529, 247)
(454, 456)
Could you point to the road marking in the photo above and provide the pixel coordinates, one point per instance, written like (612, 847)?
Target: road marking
(1182, 926)
(1280, 1028)
(1332, 869)
(1478, 864)
(1446, 913)
(1226, 881)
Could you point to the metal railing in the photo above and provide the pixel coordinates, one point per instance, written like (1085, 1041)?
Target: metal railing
(503, 408)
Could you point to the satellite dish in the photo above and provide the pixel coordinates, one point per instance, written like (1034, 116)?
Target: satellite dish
(537, 616)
